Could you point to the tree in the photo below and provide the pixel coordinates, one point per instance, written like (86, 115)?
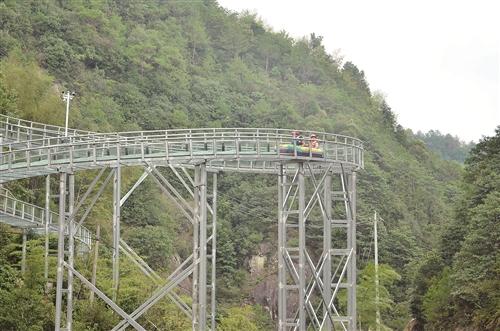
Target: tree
(366, 290)
(436, 303)
(25, 309)
(152, 242)
(238, 318)
(7, 98)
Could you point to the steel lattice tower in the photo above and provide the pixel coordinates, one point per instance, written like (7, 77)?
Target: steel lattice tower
(315, 283)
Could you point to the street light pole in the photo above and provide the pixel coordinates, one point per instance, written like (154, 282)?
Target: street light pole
(67, 96)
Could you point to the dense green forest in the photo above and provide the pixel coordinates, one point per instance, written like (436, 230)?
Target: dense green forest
(446, 146)
(138, 64)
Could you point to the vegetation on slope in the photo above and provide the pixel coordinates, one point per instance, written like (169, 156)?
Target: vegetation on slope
(457, 285)
(445, 145)
(156, 65)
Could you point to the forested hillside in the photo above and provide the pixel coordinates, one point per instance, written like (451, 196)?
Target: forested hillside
(445, 145)
(159, 64)
(458, 284)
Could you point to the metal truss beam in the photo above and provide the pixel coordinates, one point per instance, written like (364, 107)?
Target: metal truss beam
(103, 296)
(202, 311)
(303, 196)
(302, 199)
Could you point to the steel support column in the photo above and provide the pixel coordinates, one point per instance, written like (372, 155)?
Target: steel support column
(351, 238)
(327, 247)
(196, 226)
(94, 261)
(202, 219)
(213, 303)
(281, 251)
(309, 278)
(60, 250)
(302, 249)
(116, 230)
(23, 252)
(71, 250)
(46, 229)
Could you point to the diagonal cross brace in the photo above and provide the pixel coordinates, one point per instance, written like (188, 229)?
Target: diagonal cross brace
(103, 296)
(157, 280)
(157, 295)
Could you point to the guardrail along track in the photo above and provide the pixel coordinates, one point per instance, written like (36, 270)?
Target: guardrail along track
(26, 215)
(238, 149)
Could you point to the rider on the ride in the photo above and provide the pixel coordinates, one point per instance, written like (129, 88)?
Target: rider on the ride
(297, 138)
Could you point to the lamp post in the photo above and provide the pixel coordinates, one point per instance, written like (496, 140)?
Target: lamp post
(67, 96)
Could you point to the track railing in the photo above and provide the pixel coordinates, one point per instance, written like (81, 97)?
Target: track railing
(185, 145)
(36, 216)
(15, 129)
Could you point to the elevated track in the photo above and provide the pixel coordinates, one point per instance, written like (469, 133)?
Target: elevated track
(310, 185)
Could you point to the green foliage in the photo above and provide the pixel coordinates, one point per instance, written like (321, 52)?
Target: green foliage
(144, 207)
(435, 304)
(445, 145)
(169, 317)
(93, 317)
(25, 309)
(35, 98)
(458, 290)
(366, 294)
(225, 250)
(428, 268)
(7, 98)
(152, 242)
(238, 318)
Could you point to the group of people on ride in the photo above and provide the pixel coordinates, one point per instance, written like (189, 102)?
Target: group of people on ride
(298, 140)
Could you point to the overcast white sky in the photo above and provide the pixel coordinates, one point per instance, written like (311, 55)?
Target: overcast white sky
(437, 61)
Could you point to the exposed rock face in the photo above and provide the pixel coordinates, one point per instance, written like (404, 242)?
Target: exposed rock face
(411, 326)
(256, 264)
(263, 274)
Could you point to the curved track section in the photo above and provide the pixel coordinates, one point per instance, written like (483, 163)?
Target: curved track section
(14, 129)
(253, 150)
(24, 215)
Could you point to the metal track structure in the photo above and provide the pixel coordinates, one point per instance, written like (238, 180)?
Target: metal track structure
(316, 200)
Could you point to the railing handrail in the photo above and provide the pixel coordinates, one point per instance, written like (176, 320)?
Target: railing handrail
(180, 135)
(38, 125)
(11, 120)
(84, 237)
(19, 151)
